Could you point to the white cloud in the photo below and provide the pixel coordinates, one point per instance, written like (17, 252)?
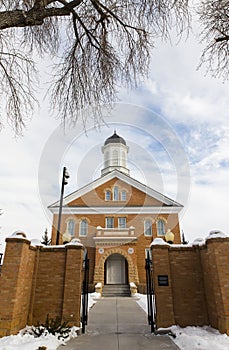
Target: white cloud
(194, 111)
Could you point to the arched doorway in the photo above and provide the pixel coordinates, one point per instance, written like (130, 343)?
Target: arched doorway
(116, 270)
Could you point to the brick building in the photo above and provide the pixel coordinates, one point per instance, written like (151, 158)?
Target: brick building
(116, 218)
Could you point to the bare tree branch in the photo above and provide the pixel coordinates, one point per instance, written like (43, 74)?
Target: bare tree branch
(98, 46)
(214, 17)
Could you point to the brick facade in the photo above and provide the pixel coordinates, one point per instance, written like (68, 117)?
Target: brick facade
(138, 241)
(36, 281)
(198, 289)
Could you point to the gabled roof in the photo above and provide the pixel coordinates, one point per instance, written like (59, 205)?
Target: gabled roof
(123, 177)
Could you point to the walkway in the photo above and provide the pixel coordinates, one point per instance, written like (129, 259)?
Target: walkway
(118, 324)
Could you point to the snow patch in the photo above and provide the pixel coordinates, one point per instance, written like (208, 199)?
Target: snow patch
(216, 234)
(36, 243)
(158, 241)
(18, 234)
(193, 338)
(75, 241)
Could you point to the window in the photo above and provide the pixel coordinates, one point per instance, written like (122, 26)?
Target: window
(123, 195)
(148, 250)
(83, 227)
(122, 222)
(108, 195)
(71, 227)
(109, 222)
(115, 158)
(115, 193)
(160, 228)
(148, 228)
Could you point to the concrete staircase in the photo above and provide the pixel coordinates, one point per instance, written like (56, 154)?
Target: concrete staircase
(116, 290)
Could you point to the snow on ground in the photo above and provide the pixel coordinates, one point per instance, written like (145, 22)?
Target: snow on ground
(194, 338)
(29, 342)
(188, 338)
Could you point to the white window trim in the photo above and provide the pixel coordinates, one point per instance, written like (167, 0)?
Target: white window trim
(106, 219)
(68, 221)
(107, 200)
(123, 191)
(160, 235)
(145, 229)
(119, 219)
(114, 193)
(80, 234)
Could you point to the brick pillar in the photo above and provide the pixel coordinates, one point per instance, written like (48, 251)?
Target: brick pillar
(218, 259)
(16, 285)
(163, 294)
(73, 284)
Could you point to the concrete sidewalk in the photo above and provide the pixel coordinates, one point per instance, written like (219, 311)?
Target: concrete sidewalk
(118, 324)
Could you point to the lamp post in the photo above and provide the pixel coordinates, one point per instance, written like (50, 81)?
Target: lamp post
(65, 178)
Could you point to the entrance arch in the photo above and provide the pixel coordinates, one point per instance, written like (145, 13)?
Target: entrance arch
(99, 272)
(116, 269)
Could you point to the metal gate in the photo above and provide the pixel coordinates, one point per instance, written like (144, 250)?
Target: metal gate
(84, 309)
(150, 293)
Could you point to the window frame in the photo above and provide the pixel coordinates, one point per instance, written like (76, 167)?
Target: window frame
(123, 195)
(148, 228)
(121, 225)
(159, 229)
(106, 197)
(82, 228)
(115, 193)
(69, 222)
(107, 218)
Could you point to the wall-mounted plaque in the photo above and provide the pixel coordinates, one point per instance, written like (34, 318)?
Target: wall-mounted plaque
(163, 280)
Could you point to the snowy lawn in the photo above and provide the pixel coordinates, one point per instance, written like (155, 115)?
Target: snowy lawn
(194, 338)
(23, 341)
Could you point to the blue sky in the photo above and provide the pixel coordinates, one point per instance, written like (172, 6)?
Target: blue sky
(176, 125)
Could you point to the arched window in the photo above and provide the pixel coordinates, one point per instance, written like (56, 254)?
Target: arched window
(83, 227)
(108, 195)
(71, 227)
(115, 193)
(160, 227)
(148, 228)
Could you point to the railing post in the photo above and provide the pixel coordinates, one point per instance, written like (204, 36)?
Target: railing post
(84, 317)
(150, 296)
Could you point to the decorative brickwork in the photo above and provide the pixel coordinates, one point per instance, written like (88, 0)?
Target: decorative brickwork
(36, 281)
(198, 284)
(132, 268)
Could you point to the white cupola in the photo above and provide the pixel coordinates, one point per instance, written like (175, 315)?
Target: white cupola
(115, 154)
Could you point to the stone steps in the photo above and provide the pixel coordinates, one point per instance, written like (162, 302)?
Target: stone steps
(116, 290)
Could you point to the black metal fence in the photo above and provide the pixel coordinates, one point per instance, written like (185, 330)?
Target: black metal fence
(84, 310)
(150, 294)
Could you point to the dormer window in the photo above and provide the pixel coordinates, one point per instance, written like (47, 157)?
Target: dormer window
(123, 195)
(108, 195)
(115, 193)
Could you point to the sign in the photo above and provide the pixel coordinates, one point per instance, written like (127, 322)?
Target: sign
(163, 280)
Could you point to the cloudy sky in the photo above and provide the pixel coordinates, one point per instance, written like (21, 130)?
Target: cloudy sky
(176, 125)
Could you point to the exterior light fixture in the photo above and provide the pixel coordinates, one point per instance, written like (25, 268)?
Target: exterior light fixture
(169, 236)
